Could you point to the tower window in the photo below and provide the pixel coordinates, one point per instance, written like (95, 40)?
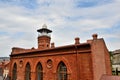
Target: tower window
(47, 45)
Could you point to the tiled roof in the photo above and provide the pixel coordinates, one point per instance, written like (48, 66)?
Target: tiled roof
(107, 77)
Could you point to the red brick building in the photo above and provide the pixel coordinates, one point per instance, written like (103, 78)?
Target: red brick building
(79, 61)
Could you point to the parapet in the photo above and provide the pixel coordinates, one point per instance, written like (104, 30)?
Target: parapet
(16, 50)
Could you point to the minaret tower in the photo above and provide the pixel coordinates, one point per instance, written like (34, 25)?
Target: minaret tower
(44, 37)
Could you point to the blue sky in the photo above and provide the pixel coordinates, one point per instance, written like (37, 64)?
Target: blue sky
(20, 19)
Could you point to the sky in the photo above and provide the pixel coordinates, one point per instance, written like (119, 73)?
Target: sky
(20, 19)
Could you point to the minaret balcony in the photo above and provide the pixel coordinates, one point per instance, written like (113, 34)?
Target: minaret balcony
(44, 34)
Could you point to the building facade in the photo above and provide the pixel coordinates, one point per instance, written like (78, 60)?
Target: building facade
(79, 61)
(116, 61)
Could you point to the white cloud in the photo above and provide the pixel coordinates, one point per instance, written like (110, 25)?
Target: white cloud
(66, 21)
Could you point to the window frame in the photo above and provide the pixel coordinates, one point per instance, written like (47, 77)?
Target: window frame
(39, 71)
(28, 72)
(14, 72)
(62, 71)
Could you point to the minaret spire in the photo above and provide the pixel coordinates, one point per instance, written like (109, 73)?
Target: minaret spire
(44, 37)
(44, 26)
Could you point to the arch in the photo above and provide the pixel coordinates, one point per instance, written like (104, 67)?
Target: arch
(28, 71)
(39, 72)
(62, 71)
(26, 62)
(14, 72)
(36, 63)
(65, 61)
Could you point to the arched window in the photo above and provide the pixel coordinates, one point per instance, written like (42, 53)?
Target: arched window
(39, 72)
(62, 71)
(14, 72)
(28, 72)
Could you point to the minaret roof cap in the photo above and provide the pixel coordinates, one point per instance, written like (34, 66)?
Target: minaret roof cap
(44, 29)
